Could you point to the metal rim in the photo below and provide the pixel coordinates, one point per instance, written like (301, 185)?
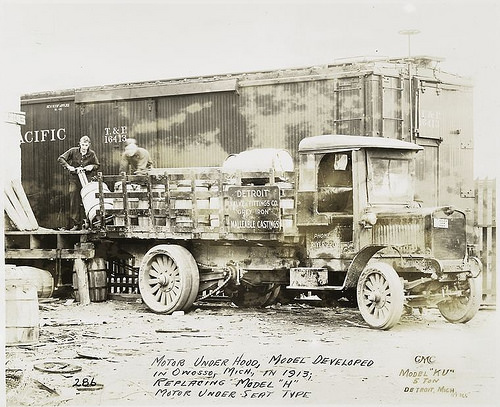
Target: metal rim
(168, 278)
(57, 367)
(380, 296)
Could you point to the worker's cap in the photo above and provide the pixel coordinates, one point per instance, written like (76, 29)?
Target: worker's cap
(130, 141)
(84, 139)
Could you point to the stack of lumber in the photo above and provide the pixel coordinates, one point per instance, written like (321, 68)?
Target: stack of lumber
(17, 206)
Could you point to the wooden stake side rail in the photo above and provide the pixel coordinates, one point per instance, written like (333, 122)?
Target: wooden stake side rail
(48, 244)
(189, 203)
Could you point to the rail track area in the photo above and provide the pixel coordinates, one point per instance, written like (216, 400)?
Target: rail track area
(121, 353)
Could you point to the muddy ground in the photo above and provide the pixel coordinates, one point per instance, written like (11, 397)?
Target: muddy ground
(119, 353)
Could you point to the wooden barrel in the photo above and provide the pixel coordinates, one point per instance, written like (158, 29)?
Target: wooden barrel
(91, 202)
(96, 275)
(22, 321)
(41, 279)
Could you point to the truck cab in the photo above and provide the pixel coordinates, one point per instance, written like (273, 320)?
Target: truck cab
(367, 237)
(343, 182)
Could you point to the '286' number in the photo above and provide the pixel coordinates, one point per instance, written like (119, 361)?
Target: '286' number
(85, 382)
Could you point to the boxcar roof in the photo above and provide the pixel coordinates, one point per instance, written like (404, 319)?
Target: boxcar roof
(342, 142)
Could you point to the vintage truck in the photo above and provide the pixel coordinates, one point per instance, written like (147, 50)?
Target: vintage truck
(345, 223)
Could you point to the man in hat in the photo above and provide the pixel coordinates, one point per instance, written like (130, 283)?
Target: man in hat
(80, 158)
(135, 160)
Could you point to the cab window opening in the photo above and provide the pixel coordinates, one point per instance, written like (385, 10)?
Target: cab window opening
(335, 183)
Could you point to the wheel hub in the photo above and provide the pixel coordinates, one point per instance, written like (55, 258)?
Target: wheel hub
(163, 279)
(375, 297)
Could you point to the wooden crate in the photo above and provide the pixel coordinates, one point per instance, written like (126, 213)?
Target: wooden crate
(192, 203)
(485, 225)
(122, 277)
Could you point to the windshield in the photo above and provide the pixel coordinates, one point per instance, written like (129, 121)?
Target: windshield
(390, 178)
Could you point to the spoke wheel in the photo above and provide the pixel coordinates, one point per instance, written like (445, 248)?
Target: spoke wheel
(168, 279)
(260, 296)
(462, 309)
(380, 296)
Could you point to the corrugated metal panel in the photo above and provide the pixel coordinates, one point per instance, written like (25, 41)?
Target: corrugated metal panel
(199, 130)
(281, 115)
(369, 105)
(49, 131)
(350, 106)
(109, 124)
(391, 114)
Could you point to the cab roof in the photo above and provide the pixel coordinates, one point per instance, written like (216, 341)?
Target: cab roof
(335, 142)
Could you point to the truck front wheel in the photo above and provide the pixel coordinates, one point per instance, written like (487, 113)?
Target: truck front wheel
(380, 296)
(168, 279)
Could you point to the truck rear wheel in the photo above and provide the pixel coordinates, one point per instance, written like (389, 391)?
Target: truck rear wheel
(462, 309)
(168, 279)
(380, 296)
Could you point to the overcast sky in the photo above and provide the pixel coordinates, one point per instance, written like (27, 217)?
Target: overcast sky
(55, 45)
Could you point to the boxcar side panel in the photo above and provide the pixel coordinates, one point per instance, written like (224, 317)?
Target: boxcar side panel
(109, 124)
(52, 127)
(280, 115)
(199, 130)
(445, 116)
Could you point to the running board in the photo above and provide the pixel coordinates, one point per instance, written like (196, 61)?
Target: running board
(317, 288)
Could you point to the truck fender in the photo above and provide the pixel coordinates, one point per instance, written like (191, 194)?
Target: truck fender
(358, 264)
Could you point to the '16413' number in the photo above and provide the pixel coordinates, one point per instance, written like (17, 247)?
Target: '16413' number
(117, 138)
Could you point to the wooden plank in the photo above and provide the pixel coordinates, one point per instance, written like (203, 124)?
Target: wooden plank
(12, 213)
(49, 253)
(164, 89)
(83, 285)
(485, 202)
(489, 204)
(34, 241)
(23, 199)
(14, 209)
(44, 231)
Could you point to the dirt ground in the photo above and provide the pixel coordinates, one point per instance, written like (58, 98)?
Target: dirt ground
(118, 353)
